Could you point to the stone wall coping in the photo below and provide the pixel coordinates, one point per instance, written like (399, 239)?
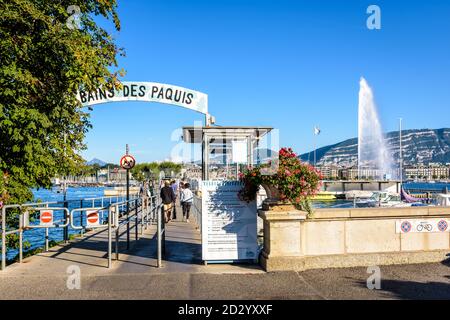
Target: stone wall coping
(377, 213)
(272, 215)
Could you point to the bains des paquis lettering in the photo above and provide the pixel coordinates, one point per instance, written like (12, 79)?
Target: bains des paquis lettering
(176, 95)
(138, 91)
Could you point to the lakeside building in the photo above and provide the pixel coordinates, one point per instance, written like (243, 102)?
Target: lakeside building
(101, 176)
(191, 171)
(432, 171)
(329, 172)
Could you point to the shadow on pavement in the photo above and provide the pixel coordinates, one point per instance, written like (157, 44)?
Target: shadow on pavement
(412, 290)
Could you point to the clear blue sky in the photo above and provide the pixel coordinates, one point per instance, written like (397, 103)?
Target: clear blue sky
(286, 64)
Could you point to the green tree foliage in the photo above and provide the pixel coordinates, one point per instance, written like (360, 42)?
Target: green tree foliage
(88, 170)
(43, 64)
(143, 171)
(168, 167)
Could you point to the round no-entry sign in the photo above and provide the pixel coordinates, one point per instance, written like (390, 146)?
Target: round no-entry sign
(127, 162)
(46, 217)
(92, 218)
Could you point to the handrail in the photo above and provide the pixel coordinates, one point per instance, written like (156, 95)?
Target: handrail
(65, 224)
(109, 197)
(21, 228)
(197, 211)
(144, 206)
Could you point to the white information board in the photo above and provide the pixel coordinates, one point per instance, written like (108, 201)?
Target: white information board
(239, 151)
(229, 229)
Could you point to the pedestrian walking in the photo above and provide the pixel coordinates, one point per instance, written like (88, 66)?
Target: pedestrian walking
(186, 199)
(174, 186)
(144, 193)
(167, 198)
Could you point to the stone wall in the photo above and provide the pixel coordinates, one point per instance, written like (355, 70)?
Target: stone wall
(350, 237)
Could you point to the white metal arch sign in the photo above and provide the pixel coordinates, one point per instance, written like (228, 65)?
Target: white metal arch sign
(150, 92)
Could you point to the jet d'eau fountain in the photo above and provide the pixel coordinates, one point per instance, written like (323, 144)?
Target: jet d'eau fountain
(374, 159)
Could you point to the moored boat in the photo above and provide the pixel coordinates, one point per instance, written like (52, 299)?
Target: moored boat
(324, 196)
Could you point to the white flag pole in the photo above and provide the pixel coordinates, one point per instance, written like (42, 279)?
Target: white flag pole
(315, 138)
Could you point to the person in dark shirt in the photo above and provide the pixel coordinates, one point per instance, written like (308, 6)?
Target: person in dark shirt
(174, 186)
(168, 198)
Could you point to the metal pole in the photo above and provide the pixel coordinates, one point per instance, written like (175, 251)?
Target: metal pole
(46, 239)
(158, 223)
(149, 205)
(117, 243)
(3, 238)
(314, 146)
(128, 210)
(81, 218)
(46, 235)
(163, 237)
(401, 154)
(109, 239)
(66, 228)
(136, 219)
(204, 156)
(66, 204)
(21, 238)
(142, 215)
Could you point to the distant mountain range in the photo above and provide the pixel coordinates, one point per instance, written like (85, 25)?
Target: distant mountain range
(96, 161)
(419, 146)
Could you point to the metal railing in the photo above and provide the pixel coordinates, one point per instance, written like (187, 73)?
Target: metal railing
(140, 211)
(24, 213)
(196, 211)
(108, 200)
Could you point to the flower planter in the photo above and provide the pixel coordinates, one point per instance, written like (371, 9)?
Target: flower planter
(273, 201)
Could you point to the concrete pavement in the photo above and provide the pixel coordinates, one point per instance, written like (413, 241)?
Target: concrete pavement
(135, 275)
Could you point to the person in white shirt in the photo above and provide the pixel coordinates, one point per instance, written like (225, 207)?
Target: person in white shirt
(186, 199)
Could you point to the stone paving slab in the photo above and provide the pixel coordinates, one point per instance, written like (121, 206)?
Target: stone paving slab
(135, 275)
(397, 282)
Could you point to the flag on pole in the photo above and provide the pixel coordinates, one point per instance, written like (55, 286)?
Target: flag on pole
(316, 131)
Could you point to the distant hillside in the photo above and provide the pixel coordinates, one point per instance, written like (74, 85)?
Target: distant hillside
(419, 146)
(96, 161)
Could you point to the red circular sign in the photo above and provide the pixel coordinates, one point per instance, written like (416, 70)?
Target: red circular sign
(46, 217)
(442, 225)
(406, 226)
(127, 162)
(92, 217)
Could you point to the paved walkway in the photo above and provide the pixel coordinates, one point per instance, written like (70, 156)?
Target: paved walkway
(135, 275)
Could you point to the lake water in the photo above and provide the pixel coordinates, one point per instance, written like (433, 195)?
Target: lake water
(437, 187)
(411, 186)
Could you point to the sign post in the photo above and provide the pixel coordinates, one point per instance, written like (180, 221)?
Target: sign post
(127, 162)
